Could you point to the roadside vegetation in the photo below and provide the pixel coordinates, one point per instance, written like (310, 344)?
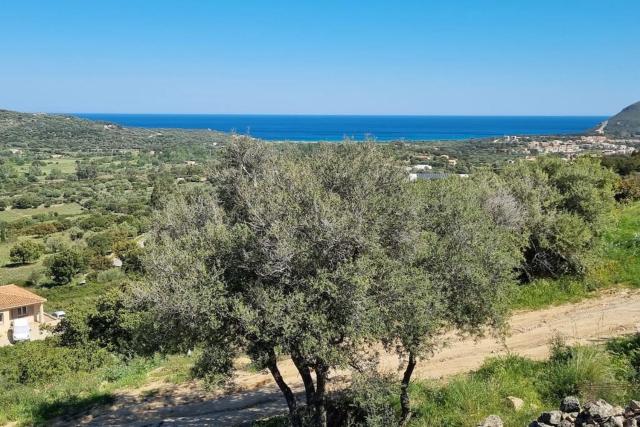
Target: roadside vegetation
(160, 242)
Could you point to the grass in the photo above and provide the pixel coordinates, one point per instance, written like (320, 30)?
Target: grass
(79, 391)
(10, 215)
(72, 296)
(590, 372)
(618, 265)
(20, 274)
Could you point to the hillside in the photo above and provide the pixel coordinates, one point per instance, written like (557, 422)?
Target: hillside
(51, 131)
(624, 124)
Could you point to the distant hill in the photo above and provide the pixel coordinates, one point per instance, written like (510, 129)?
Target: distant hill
(624, 124)
(53, 131)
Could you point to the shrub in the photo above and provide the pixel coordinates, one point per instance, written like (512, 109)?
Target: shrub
(629, 188)
(583, 371)
(64, 265)
(110, 275)
(26, 251)
(37, 362)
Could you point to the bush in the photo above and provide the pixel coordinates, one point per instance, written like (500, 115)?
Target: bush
(583, 371)
(26, 201)
(110, 275)
(37, 362)
(26, 252)
(64, 265)
(629, 188)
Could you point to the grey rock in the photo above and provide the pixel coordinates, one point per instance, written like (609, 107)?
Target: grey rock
(552, 417)
(492, 421)
(599, 410)
(515, 402)
(566, 423)
(570, 404)
(634, 405)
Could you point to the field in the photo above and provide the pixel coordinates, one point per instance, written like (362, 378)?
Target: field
(63, 209)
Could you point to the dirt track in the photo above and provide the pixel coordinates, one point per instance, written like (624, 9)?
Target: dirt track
(611, 314)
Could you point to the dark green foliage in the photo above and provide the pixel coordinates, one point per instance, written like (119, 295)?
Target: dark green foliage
(26, 251)
(564, 206)
(86, 170)
(626, 123)
(628, 348)
(42, 361)
(66, 264)
(100, 243)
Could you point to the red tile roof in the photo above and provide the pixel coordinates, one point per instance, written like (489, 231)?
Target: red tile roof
(12, 296)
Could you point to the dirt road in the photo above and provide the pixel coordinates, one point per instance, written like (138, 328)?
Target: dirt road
(610, 314)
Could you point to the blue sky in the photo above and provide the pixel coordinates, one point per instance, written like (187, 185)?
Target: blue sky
(560, 57)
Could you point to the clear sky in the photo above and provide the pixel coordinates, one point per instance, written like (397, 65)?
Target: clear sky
(513, 57)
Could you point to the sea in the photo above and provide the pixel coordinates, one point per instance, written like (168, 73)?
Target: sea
(379, 128)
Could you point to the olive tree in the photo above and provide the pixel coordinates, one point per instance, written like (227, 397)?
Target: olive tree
(460, 272)
(282, 257)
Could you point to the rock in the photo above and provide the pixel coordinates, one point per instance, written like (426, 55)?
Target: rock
(570, 404)
(630, 422)
(599, 410)
(552, 417)
(515, 402)
(634, 405)
(566, 423)
(492, 421)
(618, 420)
(618, 410)
(538, 424)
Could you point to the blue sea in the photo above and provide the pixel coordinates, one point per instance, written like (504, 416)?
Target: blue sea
(380, 128)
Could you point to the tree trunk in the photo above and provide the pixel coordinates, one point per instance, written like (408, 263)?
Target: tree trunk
(272, 364)
(405, 404)
(320, 405)
(307, 379)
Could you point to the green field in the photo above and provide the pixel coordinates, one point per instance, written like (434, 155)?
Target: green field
(65, 209)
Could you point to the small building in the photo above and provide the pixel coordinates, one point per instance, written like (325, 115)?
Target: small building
(422, 167)
(19, 303)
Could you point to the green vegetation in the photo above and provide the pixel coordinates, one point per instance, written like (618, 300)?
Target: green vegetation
(43, 380)
(584, 371)
(626, 123)
(308, 251)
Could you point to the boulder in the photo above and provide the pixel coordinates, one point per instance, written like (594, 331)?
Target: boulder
(552, 417)
(634, 406)
(492, 421)
(599, 410)
(515, 402)
(630, 422)
(570, 404)
(566, 423)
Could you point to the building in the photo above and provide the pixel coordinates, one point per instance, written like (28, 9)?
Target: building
(18, 303)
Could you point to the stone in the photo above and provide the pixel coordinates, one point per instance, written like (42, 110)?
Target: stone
(492, 421)
(515, 402)
(552, 417)
(538, 424)
(566, 423)
(634, 405)
(570, 404)
(618, 410)
(599, 410)
(630, 422)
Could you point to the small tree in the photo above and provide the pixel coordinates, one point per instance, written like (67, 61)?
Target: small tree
(26, 252)
(458, 275)
(64, 265)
